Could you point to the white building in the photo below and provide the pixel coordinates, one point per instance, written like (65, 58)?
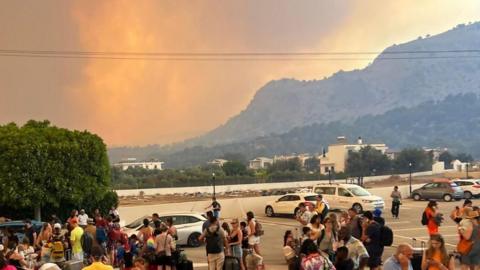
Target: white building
(260, 163)
(459, 166)
(218, 162)
(133, 163)
(336, 157)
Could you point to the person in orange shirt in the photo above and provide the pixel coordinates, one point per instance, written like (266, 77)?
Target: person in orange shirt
(431, 212)
(435, 257)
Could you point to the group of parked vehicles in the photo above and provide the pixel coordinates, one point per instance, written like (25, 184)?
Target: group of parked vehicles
(346, 196)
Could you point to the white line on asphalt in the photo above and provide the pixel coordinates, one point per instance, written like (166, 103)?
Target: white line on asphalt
(423, 238)
(397, 222)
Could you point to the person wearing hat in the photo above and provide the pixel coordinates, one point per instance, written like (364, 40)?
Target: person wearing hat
(76, 240)
(469, 229)
(377, 216)
(57, 245)
(91, 229)
(235, 241)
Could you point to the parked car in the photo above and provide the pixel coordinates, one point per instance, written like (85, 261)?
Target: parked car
(18, 228)
(471, 187)
(346, 196)
(439, 189)
(189, 226)
(288, 204)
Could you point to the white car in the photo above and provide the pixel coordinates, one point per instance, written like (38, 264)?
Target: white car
(288, 204)
(471, 187)
(346, 196)
(189, 226)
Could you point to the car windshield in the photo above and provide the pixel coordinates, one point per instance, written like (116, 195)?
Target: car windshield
(136, 223)
(358, 191)
(453, 184)
(311, 198)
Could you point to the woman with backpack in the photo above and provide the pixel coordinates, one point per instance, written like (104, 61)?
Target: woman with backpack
(435, 257)
(327, 240)
(253, 238)
(429, 215)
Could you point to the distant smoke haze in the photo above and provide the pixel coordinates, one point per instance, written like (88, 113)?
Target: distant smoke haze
(144, 102)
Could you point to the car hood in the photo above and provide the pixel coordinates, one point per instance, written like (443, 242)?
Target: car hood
(371, 198)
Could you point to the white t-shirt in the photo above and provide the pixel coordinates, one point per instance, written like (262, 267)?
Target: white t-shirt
(82, 219)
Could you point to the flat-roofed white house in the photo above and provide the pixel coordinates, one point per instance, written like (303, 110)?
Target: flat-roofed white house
(133, 163)
(217, 162)
(260, 163)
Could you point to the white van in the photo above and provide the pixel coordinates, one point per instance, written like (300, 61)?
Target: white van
(346, 196)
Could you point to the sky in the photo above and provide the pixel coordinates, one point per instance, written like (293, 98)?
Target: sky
(140, 102)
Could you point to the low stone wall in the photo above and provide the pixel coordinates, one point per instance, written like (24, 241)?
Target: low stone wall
(249, 187)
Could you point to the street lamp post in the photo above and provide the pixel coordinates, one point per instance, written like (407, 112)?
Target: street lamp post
(329, 176)
(410, 176)
(466, 167)
(213, 183)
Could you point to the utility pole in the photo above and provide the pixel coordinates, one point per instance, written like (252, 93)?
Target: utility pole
(213, 182)
(410, 176)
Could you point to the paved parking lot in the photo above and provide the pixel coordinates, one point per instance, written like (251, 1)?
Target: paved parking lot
(405, 228)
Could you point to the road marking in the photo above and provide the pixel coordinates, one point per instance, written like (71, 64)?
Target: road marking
(423, 238)
(396, 222)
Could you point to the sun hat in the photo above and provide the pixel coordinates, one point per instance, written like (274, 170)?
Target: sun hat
(57, 226)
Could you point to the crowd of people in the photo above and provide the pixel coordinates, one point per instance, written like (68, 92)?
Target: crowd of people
(349, 241)
(322, 240)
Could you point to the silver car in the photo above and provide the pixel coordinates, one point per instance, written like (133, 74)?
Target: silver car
(189, 226)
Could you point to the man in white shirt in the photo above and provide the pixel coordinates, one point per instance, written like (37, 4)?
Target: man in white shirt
(303, 215)
(356, 250)
(83, 219)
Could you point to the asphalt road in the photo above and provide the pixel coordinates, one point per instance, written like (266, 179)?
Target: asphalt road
(405, 228)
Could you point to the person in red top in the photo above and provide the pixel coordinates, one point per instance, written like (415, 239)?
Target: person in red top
(431, 213)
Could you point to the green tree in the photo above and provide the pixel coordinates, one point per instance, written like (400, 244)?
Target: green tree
(418, 158)
(463, 157)
(447, 158)
(233, 168)
(312, 164)
(292, 164)
(367, 161)
(42, 166)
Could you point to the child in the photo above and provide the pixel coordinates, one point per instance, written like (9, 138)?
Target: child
(342, 262)
(139, 264)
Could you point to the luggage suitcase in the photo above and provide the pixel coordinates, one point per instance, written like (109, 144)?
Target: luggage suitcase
(185, 265)
(231, 263)
(417, 254)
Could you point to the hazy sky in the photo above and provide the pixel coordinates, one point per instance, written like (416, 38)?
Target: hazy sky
(133, 102)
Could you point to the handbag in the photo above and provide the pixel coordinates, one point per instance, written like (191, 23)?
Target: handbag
(464, 246)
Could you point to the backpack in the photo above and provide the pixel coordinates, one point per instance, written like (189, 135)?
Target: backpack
(214, 242)
(258, 229)
(101, 235)
(58, 250)
(386, 236)
(87, 242)
(424, 218)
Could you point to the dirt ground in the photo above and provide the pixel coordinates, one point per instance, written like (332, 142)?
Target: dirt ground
(159, 199)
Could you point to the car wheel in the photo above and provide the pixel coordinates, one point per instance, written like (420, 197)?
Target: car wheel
(467, 195)
(358, 207)
(295, 212)
(269, 211)
(416, 197)
(193, 240)
(447, 197)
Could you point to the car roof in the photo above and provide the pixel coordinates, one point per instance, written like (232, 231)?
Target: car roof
(302, 194)
(337, 185)
(17, 223)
